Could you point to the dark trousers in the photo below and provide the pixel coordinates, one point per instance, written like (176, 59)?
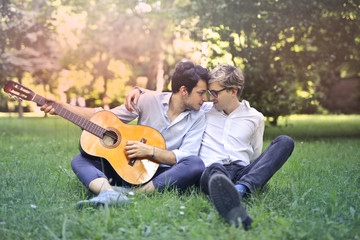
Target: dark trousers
(256, 174)
(181, 175)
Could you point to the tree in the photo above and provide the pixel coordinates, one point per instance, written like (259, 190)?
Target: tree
(282, 46)
(95, 41)
(131, 32)
(26, 45)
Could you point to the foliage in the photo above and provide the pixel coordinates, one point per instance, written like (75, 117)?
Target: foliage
(315, 195)
(292, 52)
(136, 34)
(282, 46)
(102, 47)
(27, 43)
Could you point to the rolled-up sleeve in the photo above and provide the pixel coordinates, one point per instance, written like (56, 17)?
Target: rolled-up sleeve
(123, 114)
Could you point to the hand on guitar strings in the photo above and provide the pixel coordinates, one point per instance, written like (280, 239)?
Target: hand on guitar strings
(136, 149)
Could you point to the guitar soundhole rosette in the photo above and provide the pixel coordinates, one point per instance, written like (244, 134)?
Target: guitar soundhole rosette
(111, 138)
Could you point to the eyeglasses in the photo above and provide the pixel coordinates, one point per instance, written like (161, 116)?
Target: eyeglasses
(215, 93)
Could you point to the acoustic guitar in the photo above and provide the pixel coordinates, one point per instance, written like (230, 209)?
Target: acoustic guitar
(104, 136)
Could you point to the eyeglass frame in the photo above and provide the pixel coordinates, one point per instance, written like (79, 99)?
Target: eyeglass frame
(215, 93)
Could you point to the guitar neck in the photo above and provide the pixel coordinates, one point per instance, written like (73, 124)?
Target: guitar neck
(72, 117)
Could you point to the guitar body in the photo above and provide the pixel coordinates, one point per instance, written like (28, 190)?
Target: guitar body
(113, 151)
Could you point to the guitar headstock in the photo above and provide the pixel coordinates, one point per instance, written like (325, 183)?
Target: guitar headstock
(15, 89)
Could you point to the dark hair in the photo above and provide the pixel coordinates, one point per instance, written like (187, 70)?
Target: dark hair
(188, 74)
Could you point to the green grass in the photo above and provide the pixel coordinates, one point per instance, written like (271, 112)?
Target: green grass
(316, 126)
(315, 195)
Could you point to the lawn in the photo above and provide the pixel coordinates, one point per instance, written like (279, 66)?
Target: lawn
(315, 195)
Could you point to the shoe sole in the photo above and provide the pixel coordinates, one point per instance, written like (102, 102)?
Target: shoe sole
(99, 204)
(88, 204)
(227, 201)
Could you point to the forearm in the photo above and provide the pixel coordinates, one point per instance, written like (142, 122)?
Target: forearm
(136, 149)
(84, 112)
(51, 107)
(163, 156)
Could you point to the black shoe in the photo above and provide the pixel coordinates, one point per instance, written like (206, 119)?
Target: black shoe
(227, 201)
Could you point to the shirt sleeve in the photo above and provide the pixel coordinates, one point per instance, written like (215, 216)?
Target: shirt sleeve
(192, 139)
(123, 114)
(257, 139)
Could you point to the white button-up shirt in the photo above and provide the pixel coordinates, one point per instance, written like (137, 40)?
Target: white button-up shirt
(182, 135)
(237, 136)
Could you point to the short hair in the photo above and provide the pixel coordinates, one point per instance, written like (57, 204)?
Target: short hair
(228, 76)
(188, 74)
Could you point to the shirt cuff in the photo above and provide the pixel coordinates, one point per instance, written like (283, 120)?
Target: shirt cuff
(180, 154)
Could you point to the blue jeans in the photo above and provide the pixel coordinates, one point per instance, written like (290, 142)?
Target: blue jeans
(181, 175)
(256, 174)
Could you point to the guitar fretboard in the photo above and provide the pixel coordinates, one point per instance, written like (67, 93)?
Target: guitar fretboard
(72, 117)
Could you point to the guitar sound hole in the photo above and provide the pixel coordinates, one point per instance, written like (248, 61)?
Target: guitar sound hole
(110, 139)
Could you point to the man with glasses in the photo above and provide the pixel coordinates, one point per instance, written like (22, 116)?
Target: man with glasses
(175, 115)
(231, 146)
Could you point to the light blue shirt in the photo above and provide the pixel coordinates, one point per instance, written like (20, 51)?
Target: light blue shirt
(182, 136)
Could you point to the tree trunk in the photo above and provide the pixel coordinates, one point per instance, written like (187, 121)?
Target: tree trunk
(105, 98)
(155, 73)
(273, 122)
(19, 76)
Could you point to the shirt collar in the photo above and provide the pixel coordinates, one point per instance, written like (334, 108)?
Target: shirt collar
(166, 99)
(245, 104)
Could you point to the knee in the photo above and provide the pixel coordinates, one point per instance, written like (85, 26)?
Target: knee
(197, 165)
(286, 141)
(75, 162)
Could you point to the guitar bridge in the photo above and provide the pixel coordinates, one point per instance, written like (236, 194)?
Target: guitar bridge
(132, 160)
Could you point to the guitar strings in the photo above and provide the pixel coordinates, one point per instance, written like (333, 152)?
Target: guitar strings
(107, 132)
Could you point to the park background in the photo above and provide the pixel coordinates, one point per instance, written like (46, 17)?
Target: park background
(298, 57)
(302, 70)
